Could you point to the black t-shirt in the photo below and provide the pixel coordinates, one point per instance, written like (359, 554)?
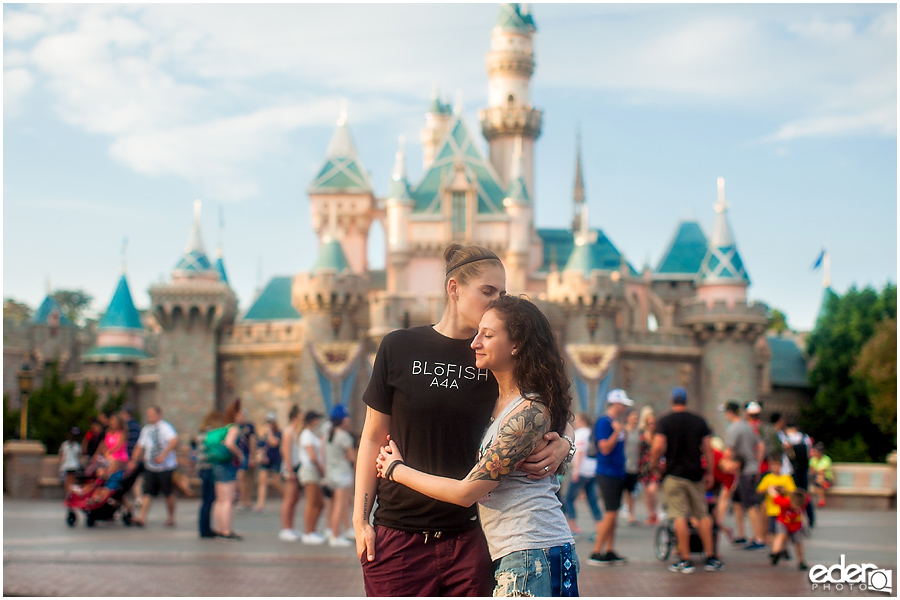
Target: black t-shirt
(440, 403)
(684, 433)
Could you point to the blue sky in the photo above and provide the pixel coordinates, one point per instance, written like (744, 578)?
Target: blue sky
(116, 117)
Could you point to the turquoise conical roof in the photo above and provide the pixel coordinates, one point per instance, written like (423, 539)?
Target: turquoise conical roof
(331, 258)
(220, 268)
(342, 171)
(512, 17)
(459, 147)
(273, 303)
(686, 251)
(121, 313)
(601, 255)
(48, 311)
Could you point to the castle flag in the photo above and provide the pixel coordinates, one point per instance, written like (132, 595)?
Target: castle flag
(819, 260)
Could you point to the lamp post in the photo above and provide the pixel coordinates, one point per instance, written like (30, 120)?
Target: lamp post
(26, 377)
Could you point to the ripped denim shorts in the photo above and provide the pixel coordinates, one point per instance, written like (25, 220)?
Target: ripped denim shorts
(544, 572)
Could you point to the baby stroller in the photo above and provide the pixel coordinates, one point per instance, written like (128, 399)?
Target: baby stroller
(665, 541)
(100, 498)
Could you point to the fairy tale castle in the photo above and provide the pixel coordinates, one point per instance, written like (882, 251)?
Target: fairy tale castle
(310, 338)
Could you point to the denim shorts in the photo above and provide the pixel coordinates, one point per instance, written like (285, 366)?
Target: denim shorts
(543, 572)
(224, 473)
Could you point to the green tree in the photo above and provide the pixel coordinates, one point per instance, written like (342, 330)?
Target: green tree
(56, 407)
(73, 303)
(841, 413)
(16, 311)
(777, 321)
(877, 367)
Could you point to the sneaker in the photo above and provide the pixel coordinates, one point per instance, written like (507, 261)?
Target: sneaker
(600, 559)
(682, 566)
(754, 545)
(350, 534)
(339, 542)
(775, 558)
(288, 535)
(713, 564)
(740, 542)
(312, 539)
(803, 566)
(229, 537)
(615, 558)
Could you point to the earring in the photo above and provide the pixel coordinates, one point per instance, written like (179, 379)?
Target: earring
(514, 351)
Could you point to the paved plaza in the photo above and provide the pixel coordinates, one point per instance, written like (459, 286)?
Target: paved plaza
(42, 556)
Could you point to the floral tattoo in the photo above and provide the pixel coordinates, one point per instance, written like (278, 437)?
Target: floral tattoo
(518, 436)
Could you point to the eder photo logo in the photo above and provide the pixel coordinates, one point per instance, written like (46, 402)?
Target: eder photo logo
(861, 577)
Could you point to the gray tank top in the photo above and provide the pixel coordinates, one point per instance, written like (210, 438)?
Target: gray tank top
(521, 513)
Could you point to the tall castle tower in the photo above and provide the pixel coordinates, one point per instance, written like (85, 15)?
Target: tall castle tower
(342, 200)
(722, 321)
(192, 308)
(509, 113)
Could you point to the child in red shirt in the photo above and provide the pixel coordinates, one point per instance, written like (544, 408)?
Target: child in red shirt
(789, 524)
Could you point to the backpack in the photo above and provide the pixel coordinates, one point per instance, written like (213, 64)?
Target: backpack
(592, 449)
(214, 444)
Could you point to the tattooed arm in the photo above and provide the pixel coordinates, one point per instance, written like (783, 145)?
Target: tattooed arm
(374, 434)
(519, 434)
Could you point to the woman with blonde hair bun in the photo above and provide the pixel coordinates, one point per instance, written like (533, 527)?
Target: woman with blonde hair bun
(647, 475)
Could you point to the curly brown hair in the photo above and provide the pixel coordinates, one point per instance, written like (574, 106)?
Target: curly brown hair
(539, 368)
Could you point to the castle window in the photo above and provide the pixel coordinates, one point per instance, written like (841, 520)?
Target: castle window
(458, 216)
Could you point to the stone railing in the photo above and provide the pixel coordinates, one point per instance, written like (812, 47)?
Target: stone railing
(658, 338)
(865, 485)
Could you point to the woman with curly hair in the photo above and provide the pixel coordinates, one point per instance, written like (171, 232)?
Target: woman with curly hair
(526, 531)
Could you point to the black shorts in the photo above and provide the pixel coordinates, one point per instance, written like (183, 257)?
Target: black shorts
(746, 485)
(631, 480)
(156, 482)
(611, 489)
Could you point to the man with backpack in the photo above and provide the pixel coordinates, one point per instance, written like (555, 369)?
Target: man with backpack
(797, 445)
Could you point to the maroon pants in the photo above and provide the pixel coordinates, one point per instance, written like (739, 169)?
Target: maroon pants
(409, 564)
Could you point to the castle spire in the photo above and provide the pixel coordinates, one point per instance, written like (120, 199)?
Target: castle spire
(194, 262)
(722, 263)
(195, 243)
(578, 194)
(220, 253)
(399, 182)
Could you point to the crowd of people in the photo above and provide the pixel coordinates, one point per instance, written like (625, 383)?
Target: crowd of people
(769, 474)
(466, 475)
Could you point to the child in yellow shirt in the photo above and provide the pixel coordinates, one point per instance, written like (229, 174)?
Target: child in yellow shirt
(774, 478)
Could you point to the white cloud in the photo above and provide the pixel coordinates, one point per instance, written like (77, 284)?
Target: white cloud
(20, 26)
(17, 83)
(217, 155)
(204, 92)
(881, 122)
